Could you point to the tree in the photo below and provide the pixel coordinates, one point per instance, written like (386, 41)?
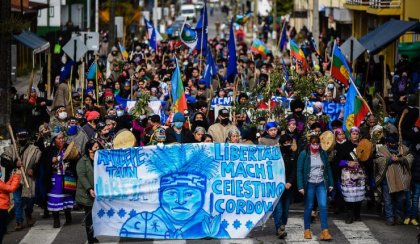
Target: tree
(5, 67)
(284, 7)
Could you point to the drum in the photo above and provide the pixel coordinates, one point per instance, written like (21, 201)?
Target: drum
(123, 139)
(327, 141)
(364, 150)
(71, 152)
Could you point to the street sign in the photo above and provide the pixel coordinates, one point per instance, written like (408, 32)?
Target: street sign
(90, 39)
(347, 49)
(75, 48)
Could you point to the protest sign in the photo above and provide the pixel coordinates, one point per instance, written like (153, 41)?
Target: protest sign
(222, 101)
(186, 191)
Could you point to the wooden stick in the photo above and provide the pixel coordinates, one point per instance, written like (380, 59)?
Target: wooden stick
(31, 81)
(70, 91)
(399, 130)
(18, 156)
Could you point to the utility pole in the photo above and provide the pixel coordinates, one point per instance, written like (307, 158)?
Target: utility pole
(315, 23)
(88, 7)
(112, 33)
(155, 13)
(96, 15)
(5, 69)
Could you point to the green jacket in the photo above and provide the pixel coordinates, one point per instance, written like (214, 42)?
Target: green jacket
(85, 181)
(304, 168)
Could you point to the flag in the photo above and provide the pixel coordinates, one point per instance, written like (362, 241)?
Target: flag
(66, 70)
(152, 35)
(202, 30)
(259, 46)
(298, 54)
(179, 102)
(124, 52)
(188, 35)
(286, 73)
(232, 69)
(283, 37)
(243, 19)
(210, 69)
(355, 109)
(340, 70)
(92, 72)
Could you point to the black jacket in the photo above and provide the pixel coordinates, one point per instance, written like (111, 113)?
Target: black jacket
(290, 163)
(186, 136)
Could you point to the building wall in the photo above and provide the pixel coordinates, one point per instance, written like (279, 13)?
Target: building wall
(410, 12)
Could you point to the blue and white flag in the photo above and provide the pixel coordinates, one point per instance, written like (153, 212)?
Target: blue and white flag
(202, 30)
(66, 70)
(232, 69)
(210, 69)
(186, 191)
(152, 34)
(188, 35)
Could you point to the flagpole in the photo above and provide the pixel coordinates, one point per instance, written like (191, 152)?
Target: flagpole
(332, 58)
(281, 37)
(96, 80)
(202, 35)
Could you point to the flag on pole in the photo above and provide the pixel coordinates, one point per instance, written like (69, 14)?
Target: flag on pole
(286, 73)
(92, 72)
(259, 46)
(298, 55)
(124, 52)
(355, 109)
(232, 69)
(188, 35)
(179, 101)
(210, 69)
(283, 38)
(340, 70)
(202, 30)
(66, 70)
(152, 35)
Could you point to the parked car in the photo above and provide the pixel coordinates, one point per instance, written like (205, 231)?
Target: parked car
(174, 29)
(188, 11)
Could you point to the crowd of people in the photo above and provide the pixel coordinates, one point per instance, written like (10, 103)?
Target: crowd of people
(56, 140)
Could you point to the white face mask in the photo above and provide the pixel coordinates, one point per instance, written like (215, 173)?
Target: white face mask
(120, 113)
(62, 115)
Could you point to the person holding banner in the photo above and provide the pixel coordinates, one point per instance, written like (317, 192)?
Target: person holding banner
(314, 178)
(85, 193)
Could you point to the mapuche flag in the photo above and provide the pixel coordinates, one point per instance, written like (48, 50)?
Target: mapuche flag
(298, 54)
(355, 109)
(259, 47)
(340, 70)
(179, 101)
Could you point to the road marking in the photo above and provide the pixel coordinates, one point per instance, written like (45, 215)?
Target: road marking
(356, 233)
(294, 229)
(41, 233)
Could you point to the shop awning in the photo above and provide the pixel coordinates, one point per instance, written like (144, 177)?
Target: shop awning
(387, 33)
(33, 41)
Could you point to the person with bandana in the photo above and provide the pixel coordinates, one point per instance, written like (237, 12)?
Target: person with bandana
(393, 176)
(177, 133)
(314, 178)
(219, 130)
(270, 137)
(297, 107)
(102, 135)
(281, 211)
(76, 133)
(352, 177)
(92, 118)
(23, 197)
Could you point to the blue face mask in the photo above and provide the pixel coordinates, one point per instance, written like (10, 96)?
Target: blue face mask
(1, 174)
(72, 130)
(390, 120)
(178, 125)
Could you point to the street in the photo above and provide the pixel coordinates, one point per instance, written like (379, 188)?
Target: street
(371, 230)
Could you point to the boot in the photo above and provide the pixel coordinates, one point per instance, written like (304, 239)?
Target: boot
(46, 214)
(56, 220)
(68, 216)
(18, 226)
(356, 211)
(325, 235)
(307, 234)
(29, 220)
(349, 218)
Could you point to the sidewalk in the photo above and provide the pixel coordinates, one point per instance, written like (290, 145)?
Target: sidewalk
(22, 82)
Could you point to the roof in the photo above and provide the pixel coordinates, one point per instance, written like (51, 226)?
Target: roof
(33, 41)
(387, 33)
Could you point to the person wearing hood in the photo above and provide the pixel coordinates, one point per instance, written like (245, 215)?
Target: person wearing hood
(297, 107)
(177, 133)
(219, 130)
(199, 119)
(23, 197)
(281, 211)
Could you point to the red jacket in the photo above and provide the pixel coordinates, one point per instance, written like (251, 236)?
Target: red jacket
(6, 189)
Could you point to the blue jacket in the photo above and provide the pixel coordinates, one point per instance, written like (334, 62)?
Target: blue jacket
(304, 168)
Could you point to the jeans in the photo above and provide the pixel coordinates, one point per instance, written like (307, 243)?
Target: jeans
(4, 216)
(320, 191)
(415, 200)
(281, 211)
(393, 202)
(20, 203)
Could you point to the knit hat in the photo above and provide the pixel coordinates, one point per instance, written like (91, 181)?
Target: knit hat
(91, 115)
(270, 125)
(178, 117)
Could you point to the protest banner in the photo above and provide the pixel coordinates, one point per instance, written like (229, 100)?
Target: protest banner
(222, 101)
(186, 191)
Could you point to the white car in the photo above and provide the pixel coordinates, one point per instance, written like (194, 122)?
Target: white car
(188, 11)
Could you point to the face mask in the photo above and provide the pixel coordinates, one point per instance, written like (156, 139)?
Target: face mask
(315, 147)
(390, 120)
(120, 113)
(1, 174)
(260, 127)
(224, 121)
(330, 86)
(62, 115)
(72, 130)
(23, 142)
(114, 53)
(178, 125)
(287, 147)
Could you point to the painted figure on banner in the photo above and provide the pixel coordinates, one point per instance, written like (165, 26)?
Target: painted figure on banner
(183, 184)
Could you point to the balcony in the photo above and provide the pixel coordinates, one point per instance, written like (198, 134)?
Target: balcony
(357, 5)
(381, 7)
